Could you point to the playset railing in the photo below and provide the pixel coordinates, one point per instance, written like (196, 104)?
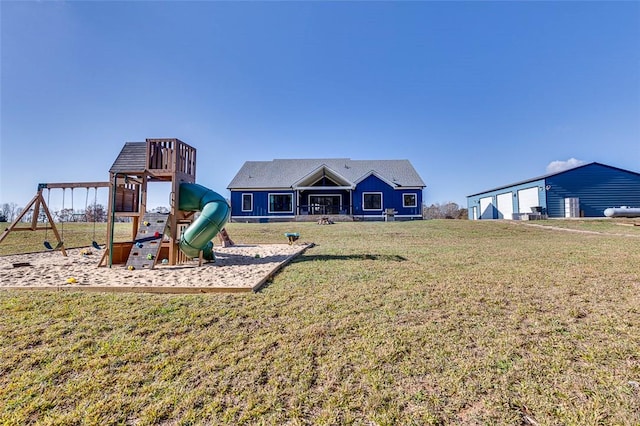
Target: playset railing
(170, 155)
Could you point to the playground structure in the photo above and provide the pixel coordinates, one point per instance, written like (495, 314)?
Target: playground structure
(173, 238)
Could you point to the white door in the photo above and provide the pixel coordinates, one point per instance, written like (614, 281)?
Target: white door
(571, 207)
(528, 198)
(505, 206)
(486, 208)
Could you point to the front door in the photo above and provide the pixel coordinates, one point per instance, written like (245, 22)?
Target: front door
(324, 204)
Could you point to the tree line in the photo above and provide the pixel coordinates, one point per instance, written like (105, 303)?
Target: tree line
(98, 213)
(448, 210)
(92, 213)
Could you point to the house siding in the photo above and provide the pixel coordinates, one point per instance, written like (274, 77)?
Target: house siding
(327, 179)
(260, 204)
(409, 212)
(391, 199)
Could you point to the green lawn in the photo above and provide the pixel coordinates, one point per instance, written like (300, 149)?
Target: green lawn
(426, 322)
(76, 234)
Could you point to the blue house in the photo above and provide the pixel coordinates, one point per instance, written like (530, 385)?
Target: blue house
(339, 188)
(584, 191)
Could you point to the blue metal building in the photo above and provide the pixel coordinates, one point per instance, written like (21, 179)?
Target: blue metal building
(584, 191)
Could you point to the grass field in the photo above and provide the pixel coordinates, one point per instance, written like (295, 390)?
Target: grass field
(76, 234)
(426, 322)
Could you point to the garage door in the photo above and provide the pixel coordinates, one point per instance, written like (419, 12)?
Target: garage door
(528, 198)
(486, 208)
(505, 206)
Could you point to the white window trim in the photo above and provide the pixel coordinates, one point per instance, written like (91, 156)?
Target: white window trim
(279, 193)
(242, 201)
(381, 202)
(415, 197)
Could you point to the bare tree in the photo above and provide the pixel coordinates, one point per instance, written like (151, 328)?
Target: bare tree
(27, 217)
(448, 210)
(8, 210)
(64, 215)
(95, 213)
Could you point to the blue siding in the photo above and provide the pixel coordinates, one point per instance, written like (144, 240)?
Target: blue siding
(351, 203)
(398, 196)
(597, 186)
(391, 199)
(260, 203)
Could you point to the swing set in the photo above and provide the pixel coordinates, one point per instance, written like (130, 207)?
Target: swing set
(39, 204)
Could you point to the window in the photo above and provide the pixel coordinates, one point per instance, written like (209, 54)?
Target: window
(409, 200)
(279, 203)
(372, 201)
(247, 202)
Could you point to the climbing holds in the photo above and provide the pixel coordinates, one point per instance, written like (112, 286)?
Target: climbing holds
(149, 256)
(71, 280)
(131, 267)
(146, 223)
(139, 244)
(165, 261)
(157, 234)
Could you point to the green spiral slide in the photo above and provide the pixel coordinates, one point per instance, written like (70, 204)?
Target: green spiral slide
(214, 214)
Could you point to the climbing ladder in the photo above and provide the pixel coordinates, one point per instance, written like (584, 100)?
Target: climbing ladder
(148, 240)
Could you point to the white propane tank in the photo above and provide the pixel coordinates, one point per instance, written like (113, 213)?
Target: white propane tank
(622, 212)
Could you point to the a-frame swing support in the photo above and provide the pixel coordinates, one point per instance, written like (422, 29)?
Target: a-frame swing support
(37, 203)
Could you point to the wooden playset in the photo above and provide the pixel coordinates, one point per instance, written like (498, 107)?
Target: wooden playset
(173, 238)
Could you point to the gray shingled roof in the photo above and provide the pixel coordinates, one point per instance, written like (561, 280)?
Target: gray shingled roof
(132, 158)
(283, 173)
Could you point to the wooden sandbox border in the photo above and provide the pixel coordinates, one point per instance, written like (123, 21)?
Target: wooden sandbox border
(165, 289)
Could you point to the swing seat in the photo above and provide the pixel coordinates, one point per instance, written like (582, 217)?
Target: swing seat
(48, 246)
(96, 245)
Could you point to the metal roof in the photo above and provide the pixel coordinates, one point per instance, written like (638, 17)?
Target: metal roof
(548, 175)
(284, 173)
(132, 158)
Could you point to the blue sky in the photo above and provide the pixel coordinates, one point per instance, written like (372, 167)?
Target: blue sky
(474, 94)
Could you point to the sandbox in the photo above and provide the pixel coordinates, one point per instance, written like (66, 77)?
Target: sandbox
(239, 268)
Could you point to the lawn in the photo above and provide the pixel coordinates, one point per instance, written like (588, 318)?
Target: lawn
(75, 234)
(425, 322)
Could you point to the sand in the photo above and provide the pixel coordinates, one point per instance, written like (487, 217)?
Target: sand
(242, 267)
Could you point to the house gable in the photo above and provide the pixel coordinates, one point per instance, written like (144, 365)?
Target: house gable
(378, 176)
(322, 176)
